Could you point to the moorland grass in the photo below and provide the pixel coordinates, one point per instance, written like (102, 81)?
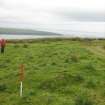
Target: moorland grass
(57, 72)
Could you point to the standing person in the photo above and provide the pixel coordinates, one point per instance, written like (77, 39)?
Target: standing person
(2, 45)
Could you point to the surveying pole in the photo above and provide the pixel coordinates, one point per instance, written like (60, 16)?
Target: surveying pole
(21, 79)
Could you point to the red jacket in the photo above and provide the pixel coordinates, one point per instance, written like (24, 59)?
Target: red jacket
(2, 42)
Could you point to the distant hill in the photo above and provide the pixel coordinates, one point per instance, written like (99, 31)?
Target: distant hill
(15, 31)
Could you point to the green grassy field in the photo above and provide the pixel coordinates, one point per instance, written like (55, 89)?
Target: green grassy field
(57, 72)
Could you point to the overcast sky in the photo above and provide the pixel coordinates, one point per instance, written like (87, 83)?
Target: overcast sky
(50, 14)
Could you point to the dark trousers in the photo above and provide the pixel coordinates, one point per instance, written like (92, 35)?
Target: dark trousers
(2, 49)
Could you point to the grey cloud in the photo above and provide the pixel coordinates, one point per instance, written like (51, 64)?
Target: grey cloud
(1, 3)
(82, 16)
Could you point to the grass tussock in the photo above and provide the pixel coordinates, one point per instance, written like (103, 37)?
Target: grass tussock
(3, 87)
(83, 99)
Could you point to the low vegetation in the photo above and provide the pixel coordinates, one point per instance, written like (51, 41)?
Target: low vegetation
(57, 72)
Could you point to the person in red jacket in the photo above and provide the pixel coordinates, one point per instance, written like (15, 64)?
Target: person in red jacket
(2, 45)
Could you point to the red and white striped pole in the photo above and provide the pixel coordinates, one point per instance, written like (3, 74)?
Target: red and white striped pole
(21, 79)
